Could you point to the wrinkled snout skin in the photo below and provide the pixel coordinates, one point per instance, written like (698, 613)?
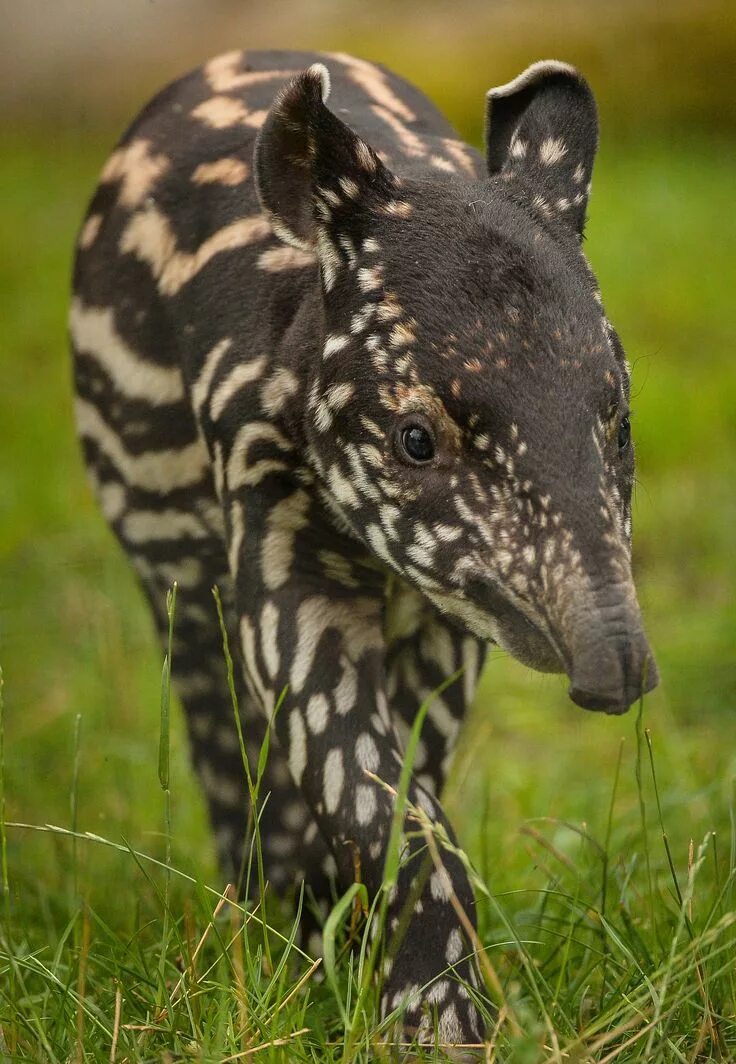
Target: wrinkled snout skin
(611, 664)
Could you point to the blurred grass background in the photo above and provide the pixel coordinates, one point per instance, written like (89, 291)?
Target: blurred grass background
(75, 638)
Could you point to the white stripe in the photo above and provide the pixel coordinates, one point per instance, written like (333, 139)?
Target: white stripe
(203, 383)
(140, 526)
(161, 471)
(93, 331)
(150, 237)
(239, 473)
(243, 373)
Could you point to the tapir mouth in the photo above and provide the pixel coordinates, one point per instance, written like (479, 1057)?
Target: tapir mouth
(517, 631)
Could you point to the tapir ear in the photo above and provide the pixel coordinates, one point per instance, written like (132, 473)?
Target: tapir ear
(309, 165)
(542, 131)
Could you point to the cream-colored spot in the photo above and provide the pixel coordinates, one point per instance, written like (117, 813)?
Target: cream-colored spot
(349, 187)
(297, 746)
(346, 692)
(341, 488)
(370, 278)
(375, 83)
(337, 567)
(333, 344)
(400, 208)
(329, 196)
(248, 644)
(366, 805)
(365, 157)
(542, 205)
(286, 257)
(551, 151)
(366, 752)
(90, 230)
(518, 147)
(461, 154)
(222, 112)
(454, 948)
(406, 137)
(339, 395)
(333, 778)
(277, 390)
(317, 711)
(227, 171)
(322, 416)
(445, 165)
(223, 74)
(329, 259)
(270, 638)
(440, 885)
(137, 169)
(112, 498)
(237, 534)
(402, 334)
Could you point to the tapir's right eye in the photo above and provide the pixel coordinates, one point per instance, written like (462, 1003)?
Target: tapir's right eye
(624, 433)
(417, 443)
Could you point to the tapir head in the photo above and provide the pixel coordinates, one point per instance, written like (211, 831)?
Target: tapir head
(469, 416)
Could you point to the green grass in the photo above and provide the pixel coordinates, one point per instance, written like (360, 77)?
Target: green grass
(611, 940)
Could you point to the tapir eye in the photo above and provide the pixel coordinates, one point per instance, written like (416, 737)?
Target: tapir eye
(624, 433)
(417, 443)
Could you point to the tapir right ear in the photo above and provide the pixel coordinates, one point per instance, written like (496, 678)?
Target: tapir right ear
(542, 131)
(308, 163)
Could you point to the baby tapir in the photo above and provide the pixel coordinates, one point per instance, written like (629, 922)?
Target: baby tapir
(334, 362)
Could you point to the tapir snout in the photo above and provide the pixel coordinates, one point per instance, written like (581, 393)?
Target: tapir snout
(611, 665)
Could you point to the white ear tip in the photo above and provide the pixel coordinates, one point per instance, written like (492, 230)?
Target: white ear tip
(319, 70)
(534, 73)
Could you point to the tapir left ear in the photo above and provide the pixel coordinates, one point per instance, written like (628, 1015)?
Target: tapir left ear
(314, 175)
(542, 131)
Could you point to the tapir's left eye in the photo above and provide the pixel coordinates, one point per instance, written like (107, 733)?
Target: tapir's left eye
(417, 443)
(624, 433)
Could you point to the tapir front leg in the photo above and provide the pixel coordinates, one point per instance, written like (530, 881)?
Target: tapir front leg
(312, 622)
(425, 649)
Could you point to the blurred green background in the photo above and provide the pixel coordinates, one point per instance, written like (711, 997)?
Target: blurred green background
(75, 637)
